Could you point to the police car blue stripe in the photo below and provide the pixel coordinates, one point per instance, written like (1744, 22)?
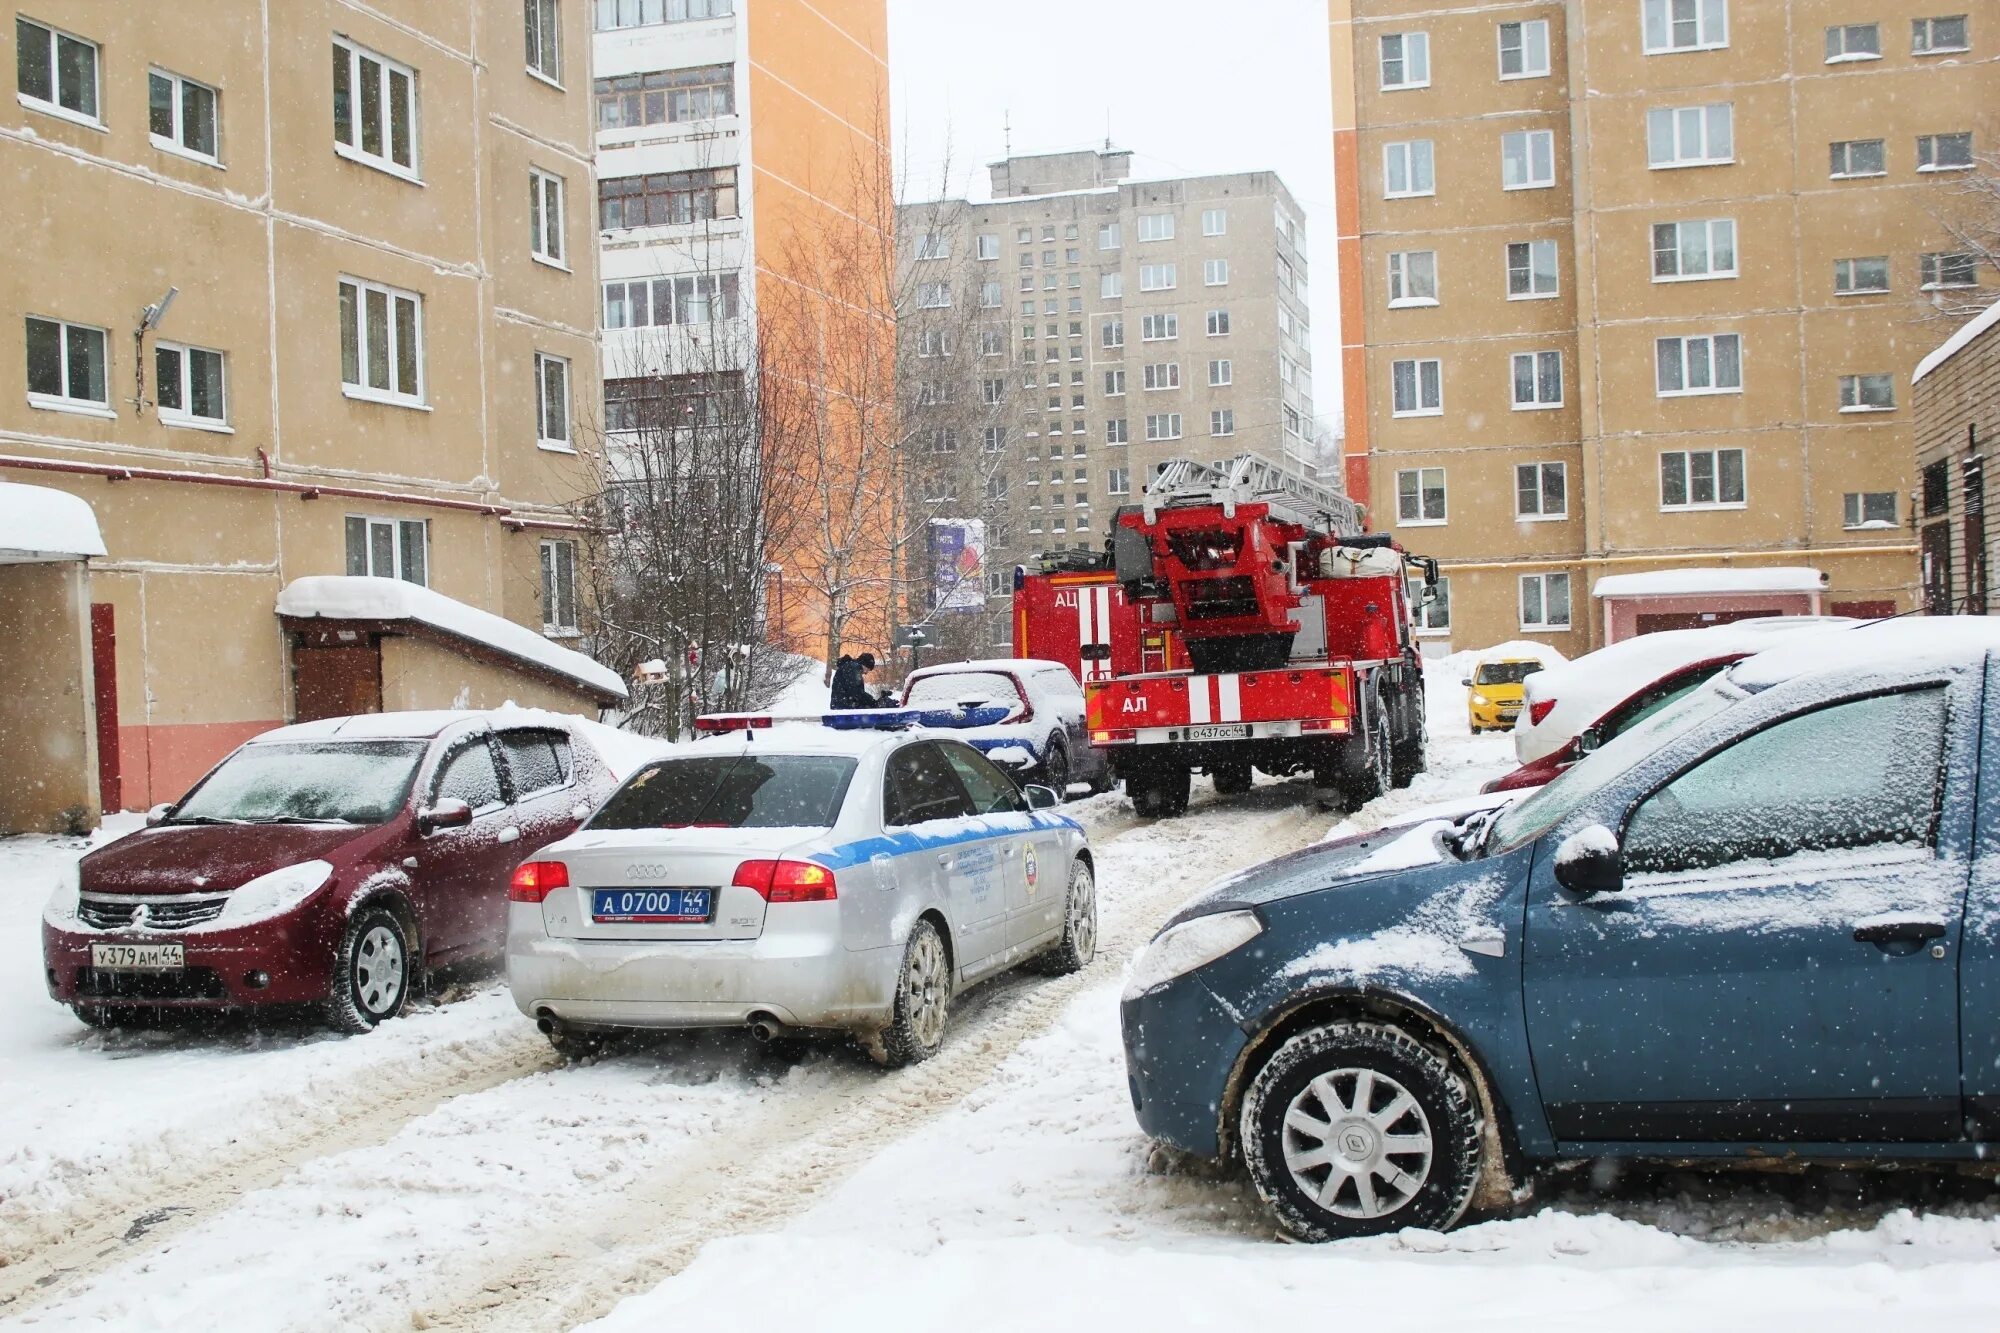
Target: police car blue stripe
(907, 841)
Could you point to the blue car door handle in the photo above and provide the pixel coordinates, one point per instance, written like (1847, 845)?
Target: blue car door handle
(1898, 930)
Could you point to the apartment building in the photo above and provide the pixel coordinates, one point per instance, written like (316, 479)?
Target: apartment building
(1078, 329)
(738, 142)
(1638, 285)
(293, 292)
(1955, 397)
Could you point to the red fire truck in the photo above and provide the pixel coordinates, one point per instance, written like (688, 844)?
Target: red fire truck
(1242, 619)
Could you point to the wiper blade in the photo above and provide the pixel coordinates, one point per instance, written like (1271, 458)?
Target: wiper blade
(201, 819)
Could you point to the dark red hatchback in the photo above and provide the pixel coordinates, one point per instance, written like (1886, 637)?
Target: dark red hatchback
(331, 863)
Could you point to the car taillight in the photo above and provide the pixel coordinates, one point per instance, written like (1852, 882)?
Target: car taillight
(536, 880)
(1115, 736)
(787, 881)
(1538, 711)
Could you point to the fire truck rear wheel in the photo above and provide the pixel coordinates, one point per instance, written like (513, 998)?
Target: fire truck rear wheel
(1159, 793)
(1409, 758)
(1231, 779)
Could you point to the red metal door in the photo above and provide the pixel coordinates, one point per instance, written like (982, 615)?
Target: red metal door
(104, 693)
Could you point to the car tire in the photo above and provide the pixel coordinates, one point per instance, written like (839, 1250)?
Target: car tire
(1078, 944)
(1399, 1116)
(1231, 779)
(923, 1001)
(1054, 771)
(372, 972)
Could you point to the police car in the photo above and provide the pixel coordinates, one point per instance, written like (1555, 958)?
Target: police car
(845, 873)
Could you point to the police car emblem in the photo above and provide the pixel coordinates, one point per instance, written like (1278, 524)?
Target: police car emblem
(1028, 863)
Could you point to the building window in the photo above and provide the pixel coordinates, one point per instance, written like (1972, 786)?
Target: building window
(933, 296)
(1857, 157)
(1164, 426)
(389, 548)
(1215, 222)
(190, 383)
(1929, 37)
(1158, 277)
(1417, 388)
(665, 97)
(544, 20)
(1159, 328)
(1406, 61)
(1698, 365)
(989, 296)
(1541, 490)
(1538, 380)
(992, 342)
(1413, 278)
(1686, 25)
(1111, 236)
(1524, 49)
(1433, 616)
(671, 403)
(991, 391)
(1853, 41)
(1870, 509)
(1867, 393)
(545, 217)
(1544, 601)
(381, 342)
(1690, 250)
(1853, 277)
(552, 401)
(665, 199)
(1221, 373)
(1528, 160)
(56, 71)
(696, 298)
(1110, 286)
(933, 343)
(1156, 226)
(374, 110)
(995, 441)
(934, 245)
(1117, 431)
(1114, 383)
(1691, 136)
(181, 115)
(641, 13)
(944, 440)
(1420, 495)
(1944, 152)
(1163, 375)
(1112, 333)
(66, 365)
(1407, 170)
(559, 587)
(1215, 273)
(1118, 481)
(1949, 270)
(1222, 421)
(986, 245)
(1531, 270)
(1701, 479)
(1218, 323)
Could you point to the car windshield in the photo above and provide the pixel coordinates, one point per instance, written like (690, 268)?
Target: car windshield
(1505, 673)
(312, 782)
(723, 791)
(953, 688)
(1548, 806)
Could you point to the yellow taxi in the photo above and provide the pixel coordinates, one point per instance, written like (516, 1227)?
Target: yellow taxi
(1495, 686)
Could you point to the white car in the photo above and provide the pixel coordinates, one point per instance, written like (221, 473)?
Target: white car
(1560, 702)
(1043, 737)
(796, 878)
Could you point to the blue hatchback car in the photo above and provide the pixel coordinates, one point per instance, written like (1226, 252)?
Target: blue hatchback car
(1765, 923)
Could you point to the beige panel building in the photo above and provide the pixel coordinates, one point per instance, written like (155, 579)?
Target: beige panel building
(1635, 285)
(292, 293)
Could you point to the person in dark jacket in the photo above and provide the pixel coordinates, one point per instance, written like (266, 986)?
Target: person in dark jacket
(850, 686)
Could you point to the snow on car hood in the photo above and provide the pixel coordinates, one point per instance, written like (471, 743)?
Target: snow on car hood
(187, 858)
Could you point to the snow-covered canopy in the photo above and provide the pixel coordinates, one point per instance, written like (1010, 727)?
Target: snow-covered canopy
(38, 523)
(349, 597)
(1694, 582)
(1955, 344)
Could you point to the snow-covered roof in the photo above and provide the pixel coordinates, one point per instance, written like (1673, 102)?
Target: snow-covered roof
(349, 597)
(40, 523)
(1904, 644)
(1955, 344)
(1689, 582)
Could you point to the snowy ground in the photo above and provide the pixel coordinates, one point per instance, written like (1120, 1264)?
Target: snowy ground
(443, 1173)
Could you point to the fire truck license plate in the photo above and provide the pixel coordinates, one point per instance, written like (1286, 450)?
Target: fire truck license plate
(1237, 731)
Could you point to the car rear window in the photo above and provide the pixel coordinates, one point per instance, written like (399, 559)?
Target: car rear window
(1505, 673)
(953, 688)
(722, 791)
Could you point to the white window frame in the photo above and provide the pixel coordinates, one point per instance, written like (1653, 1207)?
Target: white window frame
(64, 401)
(1541, 513)
(1851, 289)
(1154, 272)
(175, 142)
(1417, 365)
(544, 411)
(1111, 236)
(1838, 36)
(1162, 376)
(1118, 481)
(1215, 272)
(397, 527)
(1529, 141)
(1111, 286)
(1404, 273)
(1111, 332)
(933, 296)
(94, 118)
(1853, 392)
(1711, 228)
(1555, 269)
(1537, 363)
(1444, 498)
(363, 390)
(1659, 18)
(1523, 28)
(1707, 118)
(354, 152)
(554, 552)
(986, 245)
(1215, 222)
(1218, 323)
(1163, 426)
(1156, 227)
(182, 416)
(546, 223)
(1846, 173)
(1542, 583)
(933, 245)
(1412, 59)
(1158, 328)
(1117, 430)
(1922, 30)
(1687, 341)
(1114, 383)
(991, 297)
(1430, 619)
(1927, 146)
(542, 22)
(1854, 511)
(1221, 373)
(1411, 151)
(1931, 270)
(1715, 474)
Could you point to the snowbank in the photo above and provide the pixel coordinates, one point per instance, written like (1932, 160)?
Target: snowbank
(45, 522)
(347, 597)
(1696, 582)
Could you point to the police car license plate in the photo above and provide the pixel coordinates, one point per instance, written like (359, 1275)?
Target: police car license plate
(1232, 732)
(138, 957)
(651, 906)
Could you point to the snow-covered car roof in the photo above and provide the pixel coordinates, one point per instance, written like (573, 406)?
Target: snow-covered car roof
(1896, 648)
(785, 736)
(1520, 650)
(416, 725)
(988, 664)
(1618, 670)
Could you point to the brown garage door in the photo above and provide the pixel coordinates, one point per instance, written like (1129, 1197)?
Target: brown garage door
(336, 679)
(1653, 624)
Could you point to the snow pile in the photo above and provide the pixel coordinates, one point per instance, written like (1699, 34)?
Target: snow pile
(348, 597)
(1695, 582)
(40, 521)
(808, 691)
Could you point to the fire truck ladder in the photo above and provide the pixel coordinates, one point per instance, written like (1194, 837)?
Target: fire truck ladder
(1251, 477)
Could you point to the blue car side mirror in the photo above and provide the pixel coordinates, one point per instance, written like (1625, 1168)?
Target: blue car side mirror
(1589, 862)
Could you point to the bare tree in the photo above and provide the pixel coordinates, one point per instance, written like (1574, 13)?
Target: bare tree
(1967, 206)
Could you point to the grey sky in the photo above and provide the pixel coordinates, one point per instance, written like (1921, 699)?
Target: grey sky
(1192, 87)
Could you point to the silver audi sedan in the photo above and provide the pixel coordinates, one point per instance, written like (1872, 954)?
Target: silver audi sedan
(794, 878)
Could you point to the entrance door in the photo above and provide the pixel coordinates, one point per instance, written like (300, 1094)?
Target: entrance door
(336, 679)
(104, 694)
